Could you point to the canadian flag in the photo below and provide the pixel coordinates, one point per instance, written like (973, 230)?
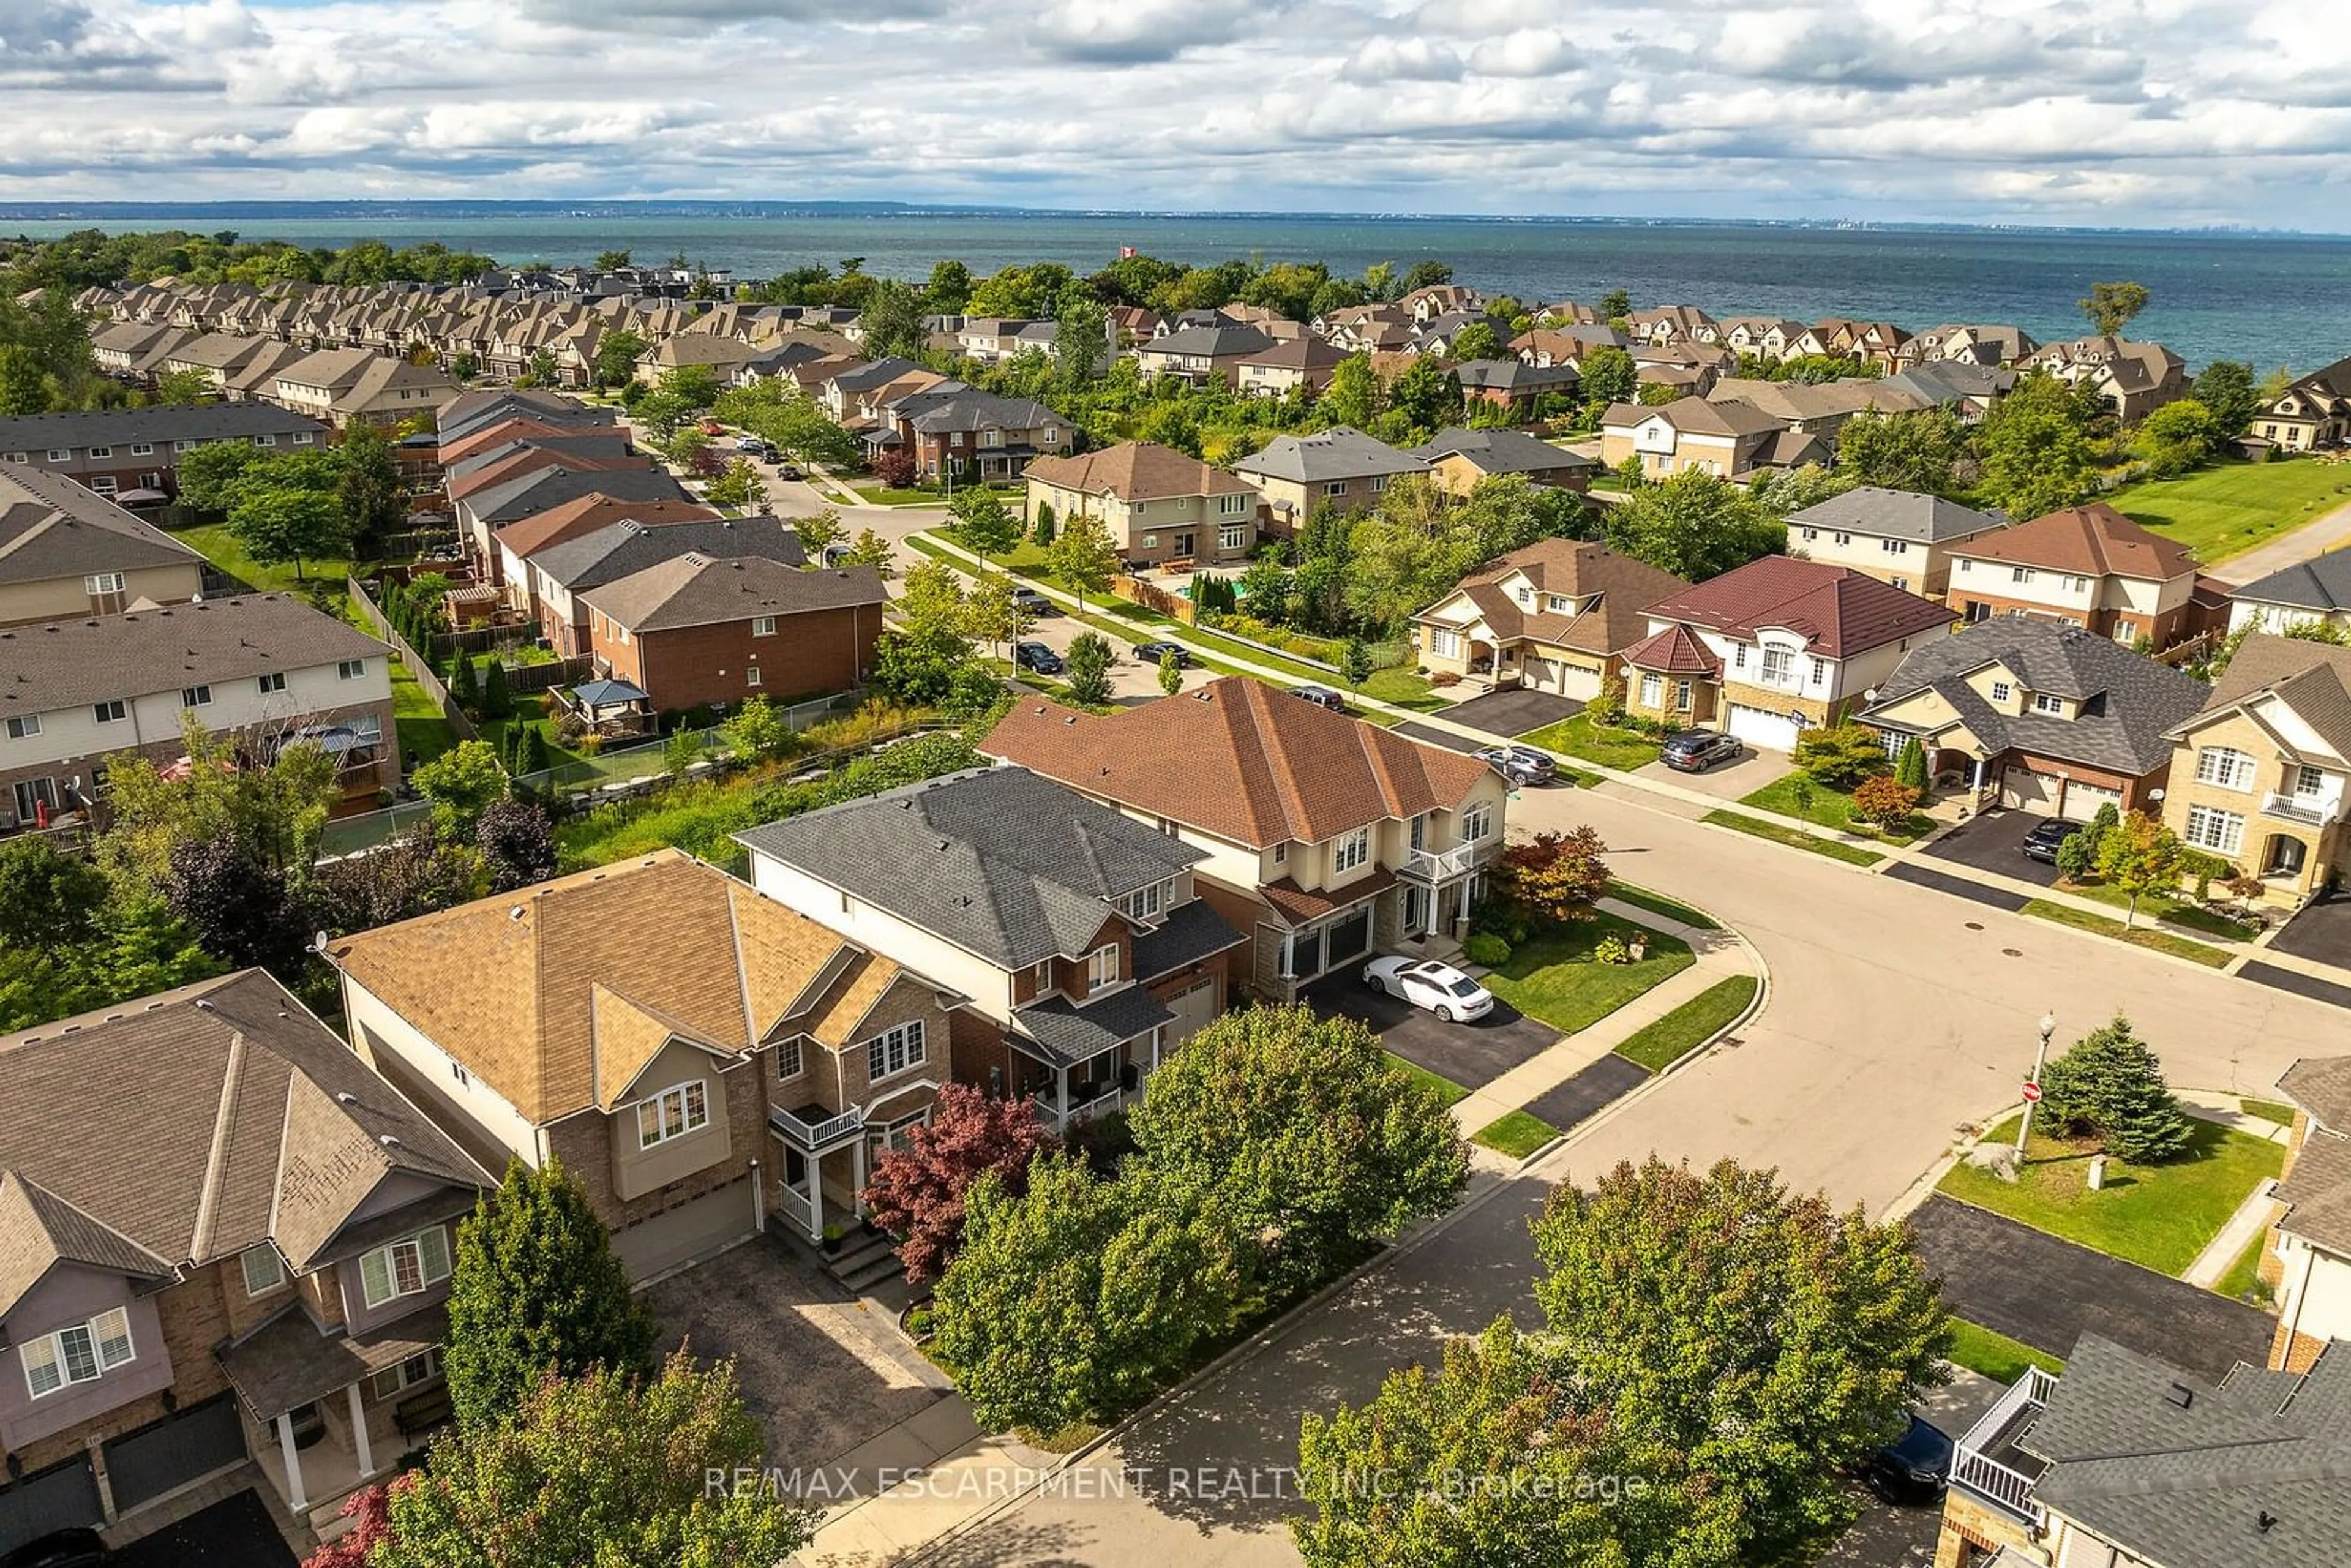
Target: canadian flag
(1126, 253)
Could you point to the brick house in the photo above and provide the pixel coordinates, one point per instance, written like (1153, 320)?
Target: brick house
(263, 668)
(1728, 440)
(520, 543)
(1159, 504)
(643, 535)
(1340, 468)
(1460, 458)
(66, 551)
(227, 1241)
(1551, 616)
(2307, 1261)
(1773, 647)
(133, 454)
(699, 1056)
(1074, 938)
(1327, 839)
(2090, 567)
(699, 629)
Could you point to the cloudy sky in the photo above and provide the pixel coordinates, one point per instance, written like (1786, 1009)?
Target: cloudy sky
(2121, 111)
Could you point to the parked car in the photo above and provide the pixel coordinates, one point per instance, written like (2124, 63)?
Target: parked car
(1914, 1467)
(61, 1549)
(1031, 602)
(1321, 696)
(1696, 751)
(1520, 764)
(834, 554)
(1152, 653)
(712, 427)
(1426, 983)
(1038, 657)
(785, 471)
(2041, 844)
(752, 445)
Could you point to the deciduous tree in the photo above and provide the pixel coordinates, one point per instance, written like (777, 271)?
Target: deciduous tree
(48, 898)
(461, 783)
(2035, 450)
(1089, 667)
(1693, 526)
(917, 1192)
(1882, 800)
(1841, 755)
(2176, 438)
(276, 526)
(517, 841)
(1553, 876)
(1082, 557)
(984, 524)
(2110, 307)
(1918, 451)
(819, 531)
(2137, 857)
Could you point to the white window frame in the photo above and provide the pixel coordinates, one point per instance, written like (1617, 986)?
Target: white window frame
(2043, 702)
(265, 1271)
(2002, 691)
(752, 677)
(401, 1376)
(198, 695)
(1232, 505)
(1351, 850)
(1232, 536)
(143, 449)
(24, 726)
(690, 1101)
(101, 451)
(1477, 822)
(791, 1059)
(430, 1250)
(1334, 488)
(60, 454)
(2224, 768)
(763, 625)
(1147, 902)
(1653, 690)
(99, 582)
(1779, 666)
(1101, 967)
(271, 683)
(111, 711)
(351, 669)
(895, 1051)
(1445, 642)
(78, 1353)
(2211, 827)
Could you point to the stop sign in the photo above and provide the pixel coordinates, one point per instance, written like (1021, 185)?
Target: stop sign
(2032, 1093)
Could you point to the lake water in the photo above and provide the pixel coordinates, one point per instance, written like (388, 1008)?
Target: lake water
(2272, 299)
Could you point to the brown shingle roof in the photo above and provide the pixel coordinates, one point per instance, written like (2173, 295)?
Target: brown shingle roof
(1696, 416)
(2321, 1086)
(1838, 610)
(62, 664)
(2091, 541)
(702, 590)
(583, 515)
(1238, 759)
(1573, 569)
(546, 993)
(530, 459)
(1137, 471)
(1676, 651)
(2314, 679)
(52, 527)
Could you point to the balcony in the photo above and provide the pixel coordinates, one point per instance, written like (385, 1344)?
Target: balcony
(1989, 1464)
(813, 1130)
(2308, 810)
(1085, 1104)
(1434, 866)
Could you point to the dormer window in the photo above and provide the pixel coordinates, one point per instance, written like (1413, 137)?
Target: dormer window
(2043, 703)
(2002, 691)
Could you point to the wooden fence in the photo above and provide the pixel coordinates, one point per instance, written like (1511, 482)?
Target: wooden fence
(428, 680)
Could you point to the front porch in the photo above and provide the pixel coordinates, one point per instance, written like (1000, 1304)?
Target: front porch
(826, 1156)
(1076, 1063)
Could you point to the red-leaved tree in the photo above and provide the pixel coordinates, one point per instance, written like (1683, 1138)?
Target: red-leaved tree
(917, 1193)
(1553, 876)
(896, 467)
(370, 1512)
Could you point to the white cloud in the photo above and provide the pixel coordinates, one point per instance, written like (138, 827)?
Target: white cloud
(2103, 110)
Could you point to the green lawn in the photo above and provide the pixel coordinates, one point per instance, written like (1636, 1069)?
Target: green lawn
(2159, 1216)
(1448, 1091)
(1852, 854)
(2231, 506)
(1516, 1135)
(219, 546)
(1658, 903)
(1661, 1044)
(1824, 806)
(2276, 1111)
(2178, 911)
(1609, 747)
(2138, 937)
(417, 718)
(889, 495)
(2243, 1282)
(1994, 1354)
(1551, 975)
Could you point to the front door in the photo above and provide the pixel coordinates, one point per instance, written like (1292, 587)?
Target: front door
(2284, 857)
(1415, 912)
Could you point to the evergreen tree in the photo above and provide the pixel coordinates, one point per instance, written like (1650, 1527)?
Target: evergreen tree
(2110, 1085)
(1910, 769)
(497, 700)
(536, 1287)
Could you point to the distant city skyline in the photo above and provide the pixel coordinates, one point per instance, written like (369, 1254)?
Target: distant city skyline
(2107, 113)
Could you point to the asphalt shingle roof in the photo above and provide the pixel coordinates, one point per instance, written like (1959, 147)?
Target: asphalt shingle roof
(1338, 453)
(52, 527)
(2314, 679)
(1073, 1034)
(1838, 610)
(1500, 451)
(695, 590)
(2094, 540)
(2321, 583)
(1137, 471)
(1190, 933)
(2321, 1086)
(618, 550)
(1898, 515)
(126, 427)
(1002, 863)
(62, 664)
(546, 487)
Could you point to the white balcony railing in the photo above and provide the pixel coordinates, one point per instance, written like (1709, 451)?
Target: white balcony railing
(1441, 865)
(811, 1137)
(794, 1206)
(2311, 810)
(1049, 1109)
(1975, 1471)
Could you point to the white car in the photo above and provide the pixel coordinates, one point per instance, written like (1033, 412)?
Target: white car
(1426, 983)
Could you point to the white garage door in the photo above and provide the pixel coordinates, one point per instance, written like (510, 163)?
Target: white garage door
(2027, 790)
(2083, 800)
(1568, 680)
(1759, 727)
(1193, 1009)
(688, 1231)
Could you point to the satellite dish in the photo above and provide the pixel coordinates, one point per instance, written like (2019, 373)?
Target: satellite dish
(319, 940)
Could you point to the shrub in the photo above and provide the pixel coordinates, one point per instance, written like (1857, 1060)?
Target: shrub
(1841, 755)
(1445, 678)
(1882, 801)
(1911, 766)
(1486, 950)
(1611, 951)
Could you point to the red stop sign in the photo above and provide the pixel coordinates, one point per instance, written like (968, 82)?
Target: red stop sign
(2032, 1093)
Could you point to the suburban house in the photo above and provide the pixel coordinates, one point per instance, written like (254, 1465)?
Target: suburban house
(1440, 299)
(2132, 379)
(1761, 337)
(134, 350)
(2124, 1462)
(1981, 344)
(1340, 468)
(1515, 386)
(2047, 718)
(721, 356)
(472, 413)
(1564, 344)
(2313, 592)
(1301, 364)
(594, 452)
(1554, 616)
(1685, 368)
(637, 537)
(696, 629)
(2314, 411)
(1968, 389)
(2307, 1262)
(1196, 354)
(68, 551)
(2089, 567)
(518, 542)
(1899, 537)
(336, 386)
(227, 1241)
(1728, 440)
(700, 1057)
(131, 454)
(1814, 408)
(265, 668)
(1327, 839)
(482, 514)
(1672, 324)
(1160, 505)
(2259, 772)
(1773, 647)
(1072, 935)
(1458, 458)
(978, 434)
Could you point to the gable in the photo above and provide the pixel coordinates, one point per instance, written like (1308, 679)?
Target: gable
(676, 1060)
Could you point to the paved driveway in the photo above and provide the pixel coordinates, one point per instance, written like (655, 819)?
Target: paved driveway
(2033, 1287)
(822, 1377)
(1513, 712)
(1995, 841)
(1729, 781)
(1469, 1054)
(1956, 886)
(2320, 933)
(1583, 1094)
(236, 1532)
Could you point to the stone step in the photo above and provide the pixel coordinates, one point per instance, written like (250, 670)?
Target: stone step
(871, 1272)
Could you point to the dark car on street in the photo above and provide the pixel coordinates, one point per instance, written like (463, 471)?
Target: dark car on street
(1038, 657)
(1030, 602)
(1520, 764)
(1913, 1468)
(2041, 844)
(1321, 696)
(1152, 653)
(1696, 751)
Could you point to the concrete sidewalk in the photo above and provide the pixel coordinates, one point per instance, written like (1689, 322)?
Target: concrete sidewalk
(2253, 1215)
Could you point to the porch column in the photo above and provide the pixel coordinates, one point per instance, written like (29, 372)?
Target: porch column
(816, 1199)
(295, 1496)
(359, 1432)
(1061, 1091)
(857, 1174)
(1158, 1032)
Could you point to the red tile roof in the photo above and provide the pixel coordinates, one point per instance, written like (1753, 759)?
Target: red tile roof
(1676, 651)
(1239, 759)
(1838, 610)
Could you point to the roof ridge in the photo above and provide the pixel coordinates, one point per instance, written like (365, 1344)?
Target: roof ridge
(216, 1162)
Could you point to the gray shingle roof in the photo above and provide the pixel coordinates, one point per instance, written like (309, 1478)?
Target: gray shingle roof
(1338, 453)
(2317, 1194)
(2130, 702)
(2321, 583)
(546, 487)
(707, 590)
(1211, 342)
(1072, 1034)
(52, 527)
(1500, 451)
(165, 421)
(63, 663)
(1190, 933)
(1898, 515)
(611, 553)
(2188, 1482)
(1001, 863)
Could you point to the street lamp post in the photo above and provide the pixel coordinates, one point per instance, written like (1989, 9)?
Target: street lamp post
(2039, 1058)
